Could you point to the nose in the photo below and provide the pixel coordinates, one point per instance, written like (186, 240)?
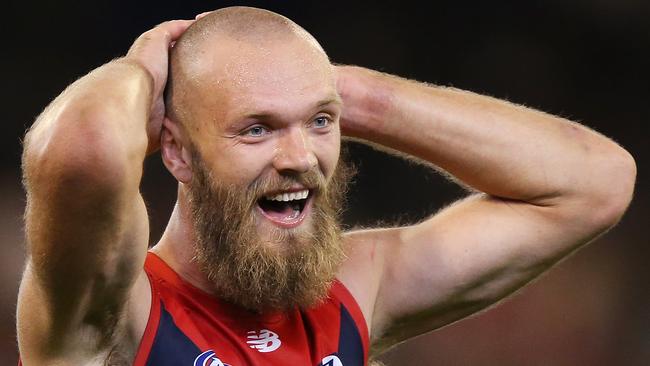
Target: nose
(294, 152)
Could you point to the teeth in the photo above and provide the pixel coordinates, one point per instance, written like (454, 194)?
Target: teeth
(285, 197)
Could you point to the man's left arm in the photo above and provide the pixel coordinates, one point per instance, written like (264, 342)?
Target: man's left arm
(546, 185)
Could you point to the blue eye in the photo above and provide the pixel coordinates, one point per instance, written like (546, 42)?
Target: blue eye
(256, 131)
(321, 122)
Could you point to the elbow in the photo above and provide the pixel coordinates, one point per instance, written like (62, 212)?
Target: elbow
(611, 200)
(87, 160)
(628, 171)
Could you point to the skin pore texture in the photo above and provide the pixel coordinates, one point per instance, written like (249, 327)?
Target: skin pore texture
(241, 97)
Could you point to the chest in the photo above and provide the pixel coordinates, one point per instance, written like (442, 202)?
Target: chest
(189, 334)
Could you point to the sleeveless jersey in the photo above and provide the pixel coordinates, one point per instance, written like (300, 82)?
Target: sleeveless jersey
(188, 327)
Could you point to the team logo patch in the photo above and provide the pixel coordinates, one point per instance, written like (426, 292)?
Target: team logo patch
(208, 358)
(331, 361)
(263, 341)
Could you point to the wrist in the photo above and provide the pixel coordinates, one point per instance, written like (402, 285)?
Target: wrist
(368, 100)
(122, 94)
(140, 71)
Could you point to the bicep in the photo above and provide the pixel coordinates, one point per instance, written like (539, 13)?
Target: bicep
(466, 257)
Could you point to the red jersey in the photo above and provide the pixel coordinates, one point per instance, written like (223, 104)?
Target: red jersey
(188, 327)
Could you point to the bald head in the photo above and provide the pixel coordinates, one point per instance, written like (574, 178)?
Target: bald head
(233, 51)
(245, 24)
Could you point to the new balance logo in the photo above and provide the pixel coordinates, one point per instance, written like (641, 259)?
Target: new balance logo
(264, 341)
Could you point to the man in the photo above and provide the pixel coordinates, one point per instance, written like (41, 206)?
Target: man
(252, 268)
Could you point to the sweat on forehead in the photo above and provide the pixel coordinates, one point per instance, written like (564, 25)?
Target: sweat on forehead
(243, 35)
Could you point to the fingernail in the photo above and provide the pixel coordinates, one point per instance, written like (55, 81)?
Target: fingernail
(202, 15)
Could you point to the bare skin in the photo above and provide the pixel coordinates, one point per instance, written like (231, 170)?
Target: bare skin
(549, 187)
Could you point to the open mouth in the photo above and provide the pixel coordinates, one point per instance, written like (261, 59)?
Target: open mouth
(286, 209)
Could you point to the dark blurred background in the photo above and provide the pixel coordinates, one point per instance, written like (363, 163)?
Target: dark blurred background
(584, 60)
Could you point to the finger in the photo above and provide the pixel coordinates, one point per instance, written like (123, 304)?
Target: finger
(173, 29)
(202, 15)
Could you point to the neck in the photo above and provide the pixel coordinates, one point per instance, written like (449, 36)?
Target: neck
(176, 246)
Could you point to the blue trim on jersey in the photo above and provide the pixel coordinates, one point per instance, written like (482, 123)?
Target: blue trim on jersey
(350, 343)
(170, 346)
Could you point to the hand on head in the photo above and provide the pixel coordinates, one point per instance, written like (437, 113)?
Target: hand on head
(151, 52)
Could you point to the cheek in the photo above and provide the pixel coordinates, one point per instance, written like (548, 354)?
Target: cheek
(327, 151)
(240, 166)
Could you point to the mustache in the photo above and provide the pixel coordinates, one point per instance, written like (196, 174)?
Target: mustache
(314, 180)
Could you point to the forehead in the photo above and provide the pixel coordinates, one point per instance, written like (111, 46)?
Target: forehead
(237, 77)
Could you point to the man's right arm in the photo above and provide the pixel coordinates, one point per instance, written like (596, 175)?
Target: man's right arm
(86, 223)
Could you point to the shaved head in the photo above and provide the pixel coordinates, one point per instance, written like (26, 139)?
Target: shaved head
(244, 24)
(227, 49)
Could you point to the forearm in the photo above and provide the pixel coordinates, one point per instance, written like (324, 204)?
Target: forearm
(491, 145)
(96, 128)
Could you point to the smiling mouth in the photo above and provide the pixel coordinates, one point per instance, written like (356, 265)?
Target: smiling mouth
(286, 209)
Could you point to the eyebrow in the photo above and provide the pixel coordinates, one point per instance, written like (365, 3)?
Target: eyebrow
(331, 100)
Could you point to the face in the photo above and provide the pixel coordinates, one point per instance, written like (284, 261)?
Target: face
(265, 189)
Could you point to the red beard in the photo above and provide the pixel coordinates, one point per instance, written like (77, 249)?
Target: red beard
(288, 267)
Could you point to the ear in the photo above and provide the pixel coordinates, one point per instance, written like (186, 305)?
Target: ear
(175, 151)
